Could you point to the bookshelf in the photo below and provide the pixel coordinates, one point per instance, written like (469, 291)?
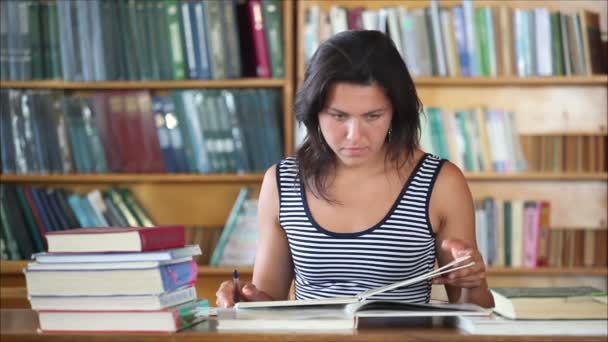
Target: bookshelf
(197, 201)
(567, 106)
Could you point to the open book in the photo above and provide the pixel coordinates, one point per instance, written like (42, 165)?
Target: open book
(356, 303)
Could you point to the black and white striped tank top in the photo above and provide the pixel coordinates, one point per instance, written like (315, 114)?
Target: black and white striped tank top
(399, 247)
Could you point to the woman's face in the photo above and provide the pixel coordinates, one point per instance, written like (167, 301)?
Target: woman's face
(355, 121)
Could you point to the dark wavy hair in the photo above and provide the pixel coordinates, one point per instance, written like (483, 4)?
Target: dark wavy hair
(358, 57)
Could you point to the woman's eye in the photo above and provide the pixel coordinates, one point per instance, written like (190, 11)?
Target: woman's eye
(373, 116)
(338, 116)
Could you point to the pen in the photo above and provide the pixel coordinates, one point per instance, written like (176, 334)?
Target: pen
(235, 282)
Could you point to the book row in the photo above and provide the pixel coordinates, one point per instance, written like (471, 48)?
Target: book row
(479, 139)
(28, 213)
(471, 40)
(186, 131)
(96, 40)
(518, 233)
(572, 153)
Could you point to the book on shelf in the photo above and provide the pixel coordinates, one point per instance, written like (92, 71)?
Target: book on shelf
(497, 325)
(547, 303)
(519, 233)
(162, 320)
(364, 299)
(125, 131)
(237, 243)
(128, 40)
(155, 301)
(115, 239)
(473, 40)
(117, 279)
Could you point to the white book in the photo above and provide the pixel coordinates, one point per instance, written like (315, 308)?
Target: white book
(543, 41)
(337, 16)
(438, 40)
(117, 303)
(497, 325)
(394, 29)
(160, 255)
(457, 264)
(370, 20)
(133, 265)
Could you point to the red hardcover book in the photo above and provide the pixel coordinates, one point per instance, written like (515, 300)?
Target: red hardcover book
(354, 16)
(115, 239)
(259, 38)
(118, 125)
(152, 159)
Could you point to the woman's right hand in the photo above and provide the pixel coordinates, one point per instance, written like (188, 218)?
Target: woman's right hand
(247, 293)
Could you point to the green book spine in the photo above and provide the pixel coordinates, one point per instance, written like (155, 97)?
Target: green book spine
(466, 137)
(273, 21)
(126, 213)
(29, 220)
(229, 227)
(151, 39)
(482, 42)
(556, 46)
(140, 214)
(34, 10)
(508, 219)
(138, 17)
(175, 39)
(7, 234)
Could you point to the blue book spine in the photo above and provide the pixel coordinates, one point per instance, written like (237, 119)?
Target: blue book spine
(41, 209)
(461, 41)
(203, 42)
(81, 215)
(163, 134)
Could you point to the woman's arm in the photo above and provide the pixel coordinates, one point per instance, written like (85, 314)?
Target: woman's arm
(273, 268)
(452, 202)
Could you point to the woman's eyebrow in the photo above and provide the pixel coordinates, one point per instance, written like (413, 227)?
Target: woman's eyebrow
(366, 113)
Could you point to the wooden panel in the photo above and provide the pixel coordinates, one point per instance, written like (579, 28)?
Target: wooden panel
(573, 204)
(207, 204)
(539, 110)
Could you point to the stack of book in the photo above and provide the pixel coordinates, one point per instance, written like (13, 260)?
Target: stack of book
(543, 311)
(116, 279)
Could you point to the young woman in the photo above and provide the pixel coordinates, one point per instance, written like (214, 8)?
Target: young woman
(360, 205)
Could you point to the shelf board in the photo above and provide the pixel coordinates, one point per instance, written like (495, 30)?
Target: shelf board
(181, 84)
(11, 267)
(548, 271)
(518, 81)
(133, 178)
(257, 177)
(537, 176)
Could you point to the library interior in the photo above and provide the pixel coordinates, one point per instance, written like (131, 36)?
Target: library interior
(135, 136)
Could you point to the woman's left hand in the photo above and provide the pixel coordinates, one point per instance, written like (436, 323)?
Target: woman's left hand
(470, 277)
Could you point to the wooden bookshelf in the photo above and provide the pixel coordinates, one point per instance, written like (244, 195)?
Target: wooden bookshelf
(516, 81)
(133, 178)
(257, 178)
(170, 84)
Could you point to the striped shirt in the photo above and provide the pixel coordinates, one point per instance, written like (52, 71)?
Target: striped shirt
(399, 247)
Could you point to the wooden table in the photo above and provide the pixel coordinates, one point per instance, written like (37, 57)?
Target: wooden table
(21, 324)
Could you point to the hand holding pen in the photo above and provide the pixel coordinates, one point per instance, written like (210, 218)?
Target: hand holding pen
(231, 292)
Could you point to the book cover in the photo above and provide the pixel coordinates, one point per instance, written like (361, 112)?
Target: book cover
(115, 239)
